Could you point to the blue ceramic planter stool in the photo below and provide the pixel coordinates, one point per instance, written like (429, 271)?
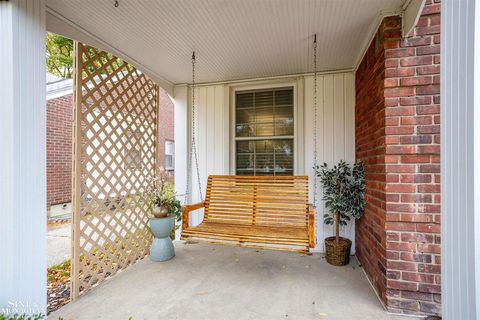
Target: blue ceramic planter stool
(162, 246)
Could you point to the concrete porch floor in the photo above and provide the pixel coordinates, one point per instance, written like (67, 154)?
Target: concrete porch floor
(222, 282)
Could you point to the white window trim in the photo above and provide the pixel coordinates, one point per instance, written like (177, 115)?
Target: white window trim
(298, 133)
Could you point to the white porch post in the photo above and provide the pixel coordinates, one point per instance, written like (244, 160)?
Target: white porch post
(23, 251)
(180, 101)
(460, 173)
(181, 127)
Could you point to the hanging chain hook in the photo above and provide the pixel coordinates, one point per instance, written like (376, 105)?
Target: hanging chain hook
(193, 148)
(315, 116)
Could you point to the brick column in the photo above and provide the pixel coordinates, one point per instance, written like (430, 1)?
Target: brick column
(370, 147)
(397, 132)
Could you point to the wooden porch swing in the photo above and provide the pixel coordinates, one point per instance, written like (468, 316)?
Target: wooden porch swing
(255, 211)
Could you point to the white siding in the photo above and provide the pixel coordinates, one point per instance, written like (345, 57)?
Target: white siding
(212, 134)
(460, 159)
(335, 131)
(335, 136)
(23, 240)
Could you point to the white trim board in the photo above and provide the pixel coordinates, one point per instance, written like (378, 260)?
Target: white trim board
(266, 79)
(372, 32)
(412, 12)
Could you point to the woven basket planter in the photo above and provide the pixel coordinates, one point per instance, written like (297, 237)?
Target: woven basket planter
(338, 254)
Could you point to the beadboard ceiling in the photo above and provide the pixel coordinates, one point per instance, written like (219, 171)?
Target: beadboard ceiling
(233, 39)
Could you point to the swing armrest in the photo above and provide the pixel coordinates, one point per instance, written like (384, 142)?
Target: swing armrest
(311, 226)
(186, 209)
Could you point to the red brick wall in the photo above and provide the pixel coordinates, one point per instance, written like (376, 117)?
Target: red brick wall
(165, 124)
(59, 150)
(408, 279)
(370, 148)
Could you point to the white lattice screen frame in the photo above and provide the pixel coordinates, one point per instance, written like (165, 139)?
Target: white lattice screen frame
(115, 137)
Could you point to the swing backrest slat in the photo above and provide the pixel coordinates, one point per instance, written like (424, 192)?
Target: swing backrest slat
(257, 200)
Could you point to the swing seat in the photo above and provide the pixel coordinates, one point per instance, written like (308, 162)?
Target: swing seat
(254, 211)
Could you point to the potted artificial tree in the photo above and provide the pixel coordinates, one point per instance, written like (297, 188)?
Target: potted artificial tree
(166, 209)
(344, 196)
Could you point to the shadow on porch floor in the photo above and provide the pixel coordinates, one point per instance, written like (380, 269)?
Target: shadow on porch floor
(222, 282)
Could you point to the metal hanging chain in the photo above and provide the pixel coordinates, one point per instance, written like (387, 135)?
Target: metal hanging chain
(193, 149)
(315, 152)
(189, 171)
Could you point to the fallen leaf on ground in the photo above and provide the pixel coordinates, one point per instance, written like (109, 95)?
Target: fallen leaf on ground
(202, 293)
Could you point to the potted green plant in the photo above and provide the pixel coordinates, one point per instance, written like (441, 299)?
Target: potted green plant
(344, 196)
(166, 209)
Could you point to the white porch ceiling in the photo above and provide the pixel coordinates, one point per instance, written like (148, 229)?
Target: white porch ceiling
(233, 39)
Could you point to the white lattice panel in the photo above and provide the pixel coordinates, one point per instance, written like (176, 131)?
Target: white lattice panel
(116, 122)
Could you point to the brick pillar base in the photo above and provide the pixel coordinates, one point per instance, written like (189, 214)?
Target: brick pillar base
(397, 136)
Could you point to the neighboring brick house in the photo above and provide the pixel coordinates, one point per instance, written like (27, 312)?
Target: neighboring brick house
(59, 138)
(398, 138)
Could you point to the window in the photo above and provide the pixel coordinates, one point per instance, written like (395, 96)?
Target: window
(169, 150)
(264, 128)
(132, 151)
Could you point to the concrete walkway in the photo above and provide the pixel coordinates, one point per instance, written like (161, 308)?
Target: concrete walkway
(59, 245)
(222, 282)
